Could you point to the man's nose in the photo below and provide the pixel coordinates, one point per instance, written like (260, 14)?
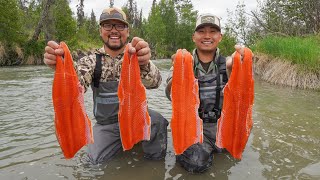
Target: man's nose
(207, 34)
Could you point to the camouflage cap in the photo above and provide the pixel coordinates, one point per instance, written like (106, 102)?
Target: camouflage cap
(113, 13)
(208, 19)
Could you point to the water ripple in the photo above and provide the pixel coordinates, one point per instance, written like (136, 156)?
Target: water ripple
(284, 143)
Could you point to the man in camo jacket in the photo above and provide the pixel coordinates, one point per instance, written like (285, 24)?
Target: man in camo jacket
(101, 71)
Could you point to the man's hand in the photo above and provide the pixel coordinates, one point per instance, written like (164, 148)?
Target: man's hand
(239, 49)
(142, 49)
(51, 51)
(229, 63)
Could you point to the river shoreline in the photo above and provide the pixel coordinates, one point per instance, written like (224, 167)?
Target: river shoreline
(281, 72)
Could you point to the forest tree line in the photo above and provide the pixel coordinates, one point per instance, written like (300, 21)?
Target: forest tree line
(26, 25)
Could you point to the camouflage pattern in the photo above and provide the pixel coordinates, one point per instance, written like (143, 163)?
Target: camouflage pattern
(111, 69)
(113, 13)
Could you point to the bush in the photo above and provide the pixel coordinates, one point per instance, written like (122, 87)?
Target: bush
(303, 51)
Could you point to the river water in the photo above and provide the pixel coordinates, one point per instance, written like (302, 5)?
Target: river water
(284, 142)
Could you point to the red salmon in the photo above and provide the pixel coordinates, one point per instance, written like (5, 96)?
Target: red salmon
(235, 123)
(134, 119)
(73, 127)
(186, 124)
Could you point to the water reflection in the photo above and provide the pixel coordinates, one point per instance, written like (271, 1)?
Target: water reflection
(284, 143)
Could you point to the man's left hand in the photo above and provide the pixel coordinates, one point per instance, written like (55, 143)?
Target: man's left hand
(229, 63)
(142, 49)
(240, 50)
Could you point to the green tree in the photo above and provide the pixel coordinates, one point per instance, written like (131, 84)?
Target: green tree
(93, 27)
(238, 24)
(80, 14)
(290, 17)
(169, 26)
(170, 20)
(10, 24)
(129, 9)
(186, 23)
(64, 23)
(134, 18)
(42, 20)
(226, 46)
(156, 30)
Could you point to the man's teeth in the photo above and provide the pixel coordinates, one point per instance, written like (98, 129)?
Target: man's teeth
(207, 42)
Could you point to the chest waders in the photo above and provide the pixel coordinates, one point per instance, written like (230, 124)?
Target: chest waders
(198, 157)
(105, 97)
(210, 91)
(107, 139)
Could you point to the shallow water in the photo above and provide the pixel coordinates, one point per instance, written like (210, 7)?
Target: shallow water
(284, 143)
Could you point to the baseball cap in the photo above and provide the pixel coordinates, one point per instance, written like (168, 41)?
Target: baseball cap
(113, 13)
(208, 19)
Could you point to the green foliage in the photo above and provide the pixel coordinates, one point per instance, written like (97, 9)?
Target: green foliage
(290, 17)
(10, 24)
(80, 14)
(93, 27)
(298, 50)
(134, 17)
(34, 48)
(31, 16)
(238, 24)
(64, 23)
(170, 26)
(186, 24)
(84, 39)
(226, 46)
(169, 18)
(155, 31)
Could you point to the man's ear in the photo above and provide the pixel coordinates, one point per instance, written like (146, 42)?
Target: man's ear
(193, 37)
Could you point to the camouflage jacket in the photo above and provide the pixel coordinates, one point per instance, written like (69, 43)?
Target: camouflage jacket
(111, 69)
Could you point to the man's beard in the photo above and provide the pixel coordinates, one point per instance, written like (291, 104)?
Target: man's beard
(115, 47)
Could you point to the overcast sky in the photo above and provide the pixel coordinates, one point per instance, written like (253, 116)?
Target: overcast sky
(218, 8)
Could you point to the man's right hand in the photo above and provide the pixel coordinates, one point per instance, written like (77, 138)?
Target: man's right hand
(51, 51)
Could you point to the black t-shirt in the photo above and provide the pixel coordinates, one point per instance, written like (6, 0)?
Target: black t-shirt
(205, 65)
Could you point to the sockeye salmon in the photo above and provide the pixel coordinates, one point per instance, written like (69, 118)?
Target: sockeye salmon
(235, 123)
(186, 125)
(134, 119)
(73, 127)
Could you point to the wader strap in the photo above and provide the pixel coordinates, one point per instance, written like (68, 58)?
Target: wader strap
(218, 90)
(97, 71)
(209, 117)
